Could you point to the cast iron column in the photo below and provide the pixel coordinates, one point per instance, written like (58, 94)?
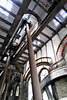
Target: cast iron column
(34, 76)
(8, 81)
(4, 75)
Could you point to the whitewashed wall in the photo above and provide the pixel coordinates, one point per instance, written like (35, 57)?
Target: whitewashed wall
(50, 51)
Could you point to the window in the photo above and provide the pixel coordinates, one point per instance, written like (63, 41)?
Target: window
(17, 91)
(6, 4)
(50, 89)
(44, 96)
(56, 23)
(63, 13)
(38, 43)
(5, 59)
(58, 19)
(11, 93)
(43, 74)
(38, 37)
(34, 48)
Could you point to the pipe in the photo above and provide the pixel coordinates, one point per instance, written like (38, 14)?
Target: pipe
(34, 76)
(4, 75)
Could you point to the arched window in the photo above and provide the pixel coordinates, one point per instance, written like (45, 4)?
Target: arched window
(43, 74)
(11, 93)
(47, 93)
(17, 91)
(45, 96)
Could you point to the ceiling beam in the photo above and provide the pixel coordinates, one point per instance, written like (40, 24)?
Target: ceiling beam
(28, 11)
(12, 70)
(50, 17)
(26, 53)
(4, 30)
(58, 29)
(41, 5)
(2, 37)
(54, 31)
(40, 40)
(36, 46)
(44, 24)
(17, 3)
(59, 22)
(26, 58)
(45, 35)
(20, 60)
(5, 21)
(65, 9)
(18, 17)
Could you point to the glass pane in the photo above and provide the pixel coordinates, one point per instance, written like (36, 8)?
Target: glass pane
(43, 74)
(45, 97)
(63, 13)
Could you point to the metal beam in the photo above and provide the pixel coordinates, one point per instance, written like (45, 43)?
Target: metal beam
(40, 40)
(28, 11)
(33, 70)
(44, 24)
(4, 30)
(20, 60)
(54, 31)
(49, 18)
(17, 3)
(12, 32)
(41, 5)
(2, 37)
(65, 9)
(36, 46)
(26, 53)
(59, 22)
(4, 76)
(45, 35)
(5, 21)
(26, 58)
(12, 70)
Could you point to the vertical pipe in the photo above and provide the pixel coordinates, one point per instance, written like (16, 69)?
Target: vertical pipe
(4, 75)
(34, 76)
(5, 95)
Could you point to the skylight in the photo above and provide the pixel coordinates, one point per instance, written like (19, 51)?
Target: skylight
(58, 19)
(56, 23)
(7, 4)
(38, 37)
(63, 13)
(38, 43)
(34, 48)
(34, 42)
(5, 58)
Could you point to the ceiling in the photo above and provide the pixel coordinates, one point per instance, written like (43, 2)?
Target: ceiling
(49, 15)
